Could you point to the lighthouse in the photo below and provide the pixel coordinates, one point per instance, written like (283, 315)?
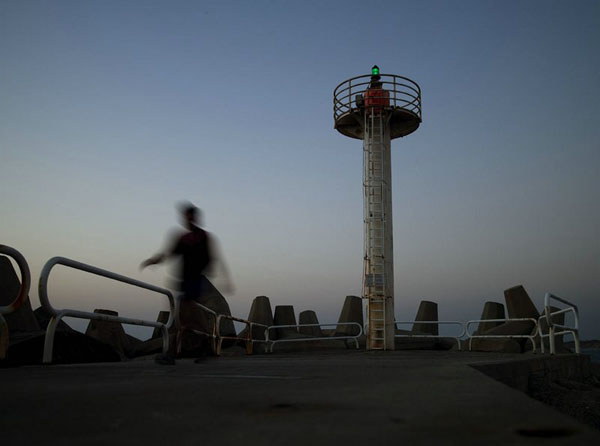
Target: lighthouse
(377, 108)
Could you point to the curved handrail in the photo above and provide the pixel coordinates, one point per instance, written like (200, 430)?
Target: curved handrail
(272, 342)
(399, 88)
(25, 279)
(181, 328)
(57, 315)
(247, 338)
(574, 331)
(531, 336)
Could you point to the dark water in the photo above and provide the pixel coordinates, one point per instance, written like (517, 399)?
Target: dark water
(593, 352)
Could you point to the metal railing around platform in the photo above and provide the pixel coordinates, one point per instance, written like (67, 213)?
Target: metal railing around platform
(426, 335)
(563, 329)
(530, 336)
(403, 93)
(271, 342)
(57, 315)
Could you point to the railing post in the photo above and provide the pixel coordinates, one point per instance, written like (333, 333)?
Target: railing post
(551, 339)
(49, 339)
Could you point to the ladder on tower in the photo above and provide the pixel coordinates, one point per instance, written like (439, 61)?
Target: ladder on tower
(375, 280)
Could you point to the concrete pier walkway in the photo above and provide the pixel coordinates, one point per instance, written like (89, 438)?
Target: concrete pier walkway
(338, 397)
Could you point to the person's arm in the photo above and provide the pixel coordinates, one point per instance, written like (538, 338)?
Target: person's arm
(218, 267)
(154, 260)
(162, 256)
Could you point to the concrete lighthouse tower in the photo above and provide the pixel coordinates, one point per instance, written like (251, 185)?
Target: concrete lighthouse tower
(377, 108)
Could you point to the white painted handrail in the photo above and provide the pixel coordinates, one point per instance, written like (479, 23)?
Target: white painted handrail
(247, 338)
(57, 315)
(410, 335)
(216, 330)
(552, 333)
(531, 337)
(180, 328)
(272, 342)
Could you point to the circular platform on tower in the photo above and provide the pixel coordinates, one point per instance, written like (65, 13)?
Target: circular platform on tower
(397, 97)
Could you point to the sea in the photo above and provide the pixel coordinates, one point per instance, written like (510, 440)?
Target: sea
(593, 352)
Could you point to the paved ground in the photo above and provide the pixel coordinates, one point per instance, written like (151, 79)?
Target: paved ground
(402, 397)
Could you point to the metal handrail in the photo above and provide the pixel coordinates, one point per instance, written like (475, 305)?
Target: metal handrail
(574, 331)
(272, 342)
(410, 335)
(25, 279)
(531, 337)
(216, 332)
(344, 95)
(247, 338)
(57, 315)
(194, 330)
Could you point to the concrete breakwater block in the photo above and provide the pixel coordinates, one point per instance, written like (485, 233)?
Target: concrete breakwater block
(43, 318)
(507, 345)
(154, 344)
(491, 310)
(284, 315)
(352, 311)
(309, 317)
(261, 313)
(519, 304)
(22, 319)
(213, 299)
(193, 317)
(111, 333)
(428, 311)
(70, 346)
(163, 316)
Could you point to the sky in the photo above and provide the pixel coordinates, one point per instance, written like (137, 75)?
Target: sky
(112, 112)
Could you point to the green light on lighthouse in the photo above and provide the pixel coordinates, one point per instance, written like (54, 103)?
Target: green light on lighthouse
(375, 70)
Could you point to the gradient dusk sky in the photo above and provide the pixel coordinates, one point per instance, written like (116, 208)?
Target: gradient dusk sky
(111, 112)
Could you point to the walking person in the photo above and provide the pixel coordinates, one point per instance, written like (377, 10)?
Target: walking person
(194, 249)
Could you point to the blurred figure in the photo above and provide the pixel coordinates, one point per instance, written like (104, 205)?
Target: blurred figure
(196, 251)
